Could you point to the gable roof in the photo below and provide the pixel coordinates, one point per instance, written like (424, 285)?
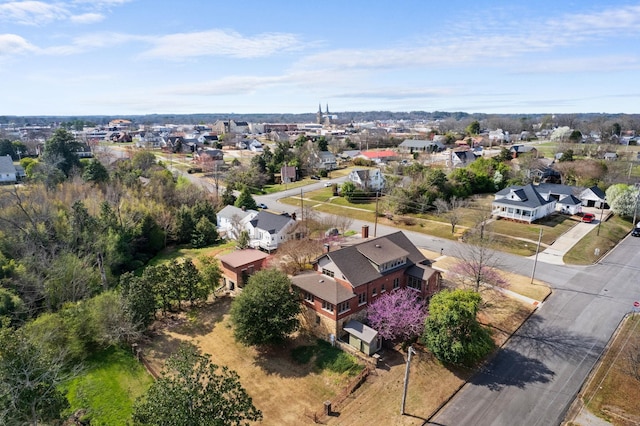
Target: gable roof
(6, 165)
(230, 211)
(557, 189)
(272, 223)
(570, 200)
(522, 196)
(361, 331)
(358, 269)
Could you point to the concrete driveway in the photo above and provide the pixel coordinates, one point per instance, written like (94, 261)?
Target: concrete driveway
(556, 251)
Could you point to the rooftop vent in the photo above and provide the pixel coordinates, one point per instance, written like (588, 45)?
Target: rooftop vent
(378, 246)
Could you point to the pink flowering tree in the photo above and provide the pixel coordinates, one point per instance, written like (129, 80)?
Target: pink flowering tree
(398, 315)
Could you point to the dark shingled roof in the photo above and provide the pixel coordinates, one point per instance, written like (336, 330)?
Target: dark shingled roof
(272, 223)
(526, 196)
(323, 287)
(381, 250)
(423, 272)
(358, 269)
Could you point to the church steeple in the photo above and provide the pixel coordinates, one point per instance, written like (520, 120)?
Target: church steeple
(319, 114)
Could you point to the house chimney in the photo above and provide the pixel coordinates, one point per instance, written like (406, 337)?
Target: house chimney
(327, 247)
(365, 231)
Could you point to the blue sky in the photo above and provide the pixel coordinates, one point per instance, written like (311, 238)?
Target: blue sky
(119, 57)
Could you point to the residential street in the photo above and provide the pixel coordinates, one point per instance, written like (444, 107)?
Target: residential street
(534, 379)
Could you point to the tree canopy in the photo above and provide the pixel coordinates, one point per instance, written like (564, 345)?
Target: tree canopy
(398, 314)
(60, 151)
(452, 332)
(194, 391)
(266, 310)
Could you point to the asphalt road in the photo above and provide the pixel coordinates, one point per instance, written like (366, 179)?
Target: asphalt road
(536, 376)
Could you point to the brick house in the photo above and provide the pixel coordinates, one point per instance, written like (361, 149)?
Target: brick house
(239, 265)
(348, 279)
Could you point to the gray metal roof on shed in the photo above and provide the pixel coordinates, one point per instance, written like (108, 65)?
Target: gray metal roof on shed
(361, 331)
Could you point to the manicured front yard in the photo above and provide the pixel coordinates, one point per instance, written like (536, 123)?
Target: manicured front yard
(611, 232)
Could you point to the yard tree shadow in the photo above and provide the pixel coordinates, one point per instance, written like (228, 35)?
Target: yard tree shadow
(521, 363)
(510, 368)
(200, 320)
(278, 360)
(542, 341)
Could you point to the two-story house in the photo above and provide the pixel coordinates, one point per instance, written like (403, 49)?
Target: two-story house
(267, 230)
(325, 160)
(346, 280)
(367, 179)
(233, 220)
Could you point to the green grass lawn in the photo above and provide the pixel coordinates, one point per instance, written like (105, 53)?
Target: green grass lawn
(611, 232)
(108, 387)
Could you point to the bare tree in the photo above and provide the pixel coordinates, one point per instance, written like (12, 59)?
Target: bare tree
(451, 210)
(478, 263)
(297, 255)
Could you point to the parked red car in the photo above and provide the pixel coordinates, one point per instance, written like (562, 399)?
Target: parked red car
(588, 217)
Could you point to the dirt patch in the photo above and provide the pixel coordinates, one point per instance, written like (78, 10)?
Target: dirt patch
(281, 388)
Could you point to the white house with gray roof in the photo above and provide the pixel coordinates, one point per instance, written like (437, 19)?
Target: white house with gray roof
(232, 220)
(8, 173)
(268, 230)
(522, 203)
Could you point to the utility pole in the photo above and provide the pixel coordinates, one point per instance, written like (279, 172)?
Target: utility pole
(535, 262)
(375, 223)
(635, 208)
(406, 378)
(601, 214)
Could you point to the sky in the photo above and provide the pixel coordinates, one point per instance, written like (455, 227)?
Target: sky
(131, 57)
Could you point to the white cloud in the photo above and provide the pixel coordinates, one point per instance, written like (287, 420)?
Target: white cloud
(87, 18)
(227, 86)
(221, 43)
(12, 44)
(475, 43)
(31, 12)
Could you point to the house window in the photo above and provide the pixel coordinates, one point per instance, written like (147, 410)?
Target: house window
(327, 306)
(327, 272)
(382, 289)
(308, 297)
(343, 307)
(415, 283)
(374, 292)
(396, 283)
(362, 298)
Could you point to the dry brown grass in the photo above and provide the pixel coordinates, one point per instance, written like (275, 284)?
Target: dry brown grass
(611, 392)
(282, 389)
(517, 283)
(285, 391)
